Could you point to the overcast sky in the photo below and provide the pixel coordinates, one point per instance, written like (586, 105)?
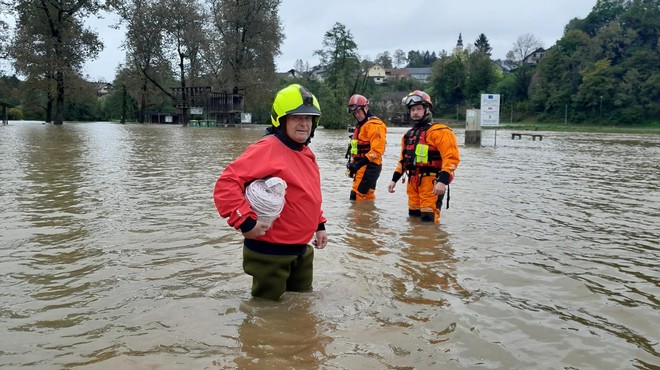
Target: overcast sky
(387, 25)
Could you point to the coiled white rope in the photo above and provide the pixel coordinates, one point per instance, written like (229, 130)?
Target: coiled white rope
(266, 198)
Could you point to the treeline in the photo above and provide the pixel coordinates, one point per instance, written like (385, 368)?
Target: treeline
(605, 68)
(227, 45)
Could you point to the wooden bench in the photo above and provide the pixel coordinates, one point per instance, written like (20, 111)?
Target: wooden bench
(515, 135)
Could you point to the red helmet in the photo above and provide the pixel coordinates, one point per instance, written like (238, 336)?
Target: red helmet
(417, 97)
(356, 102)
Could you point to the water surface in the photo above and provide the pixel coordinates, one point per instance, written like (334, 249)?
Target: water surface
(112, 255)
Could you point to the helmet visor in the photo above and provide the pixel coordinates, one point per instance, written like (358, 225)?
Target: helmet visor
(413, 100)
(352, 108)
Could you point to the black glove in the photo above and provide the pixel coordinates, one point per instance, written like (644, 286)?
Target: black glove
(354, 167)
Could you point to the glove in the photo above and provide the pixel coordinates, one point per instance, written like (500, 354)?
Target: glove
(351, 170)
(354, 167)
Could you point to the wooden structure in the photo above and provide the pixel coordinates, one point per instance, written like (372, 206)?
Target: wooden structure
(5, 118)
(222, 107)
(515, 135)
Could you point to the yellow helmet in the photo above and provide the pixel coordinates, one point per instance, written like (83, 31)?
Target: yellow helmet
(295, 100)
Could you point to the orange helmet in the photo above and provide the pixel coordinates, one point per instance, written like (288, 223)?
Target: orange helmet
(417, 97)
(356, 102)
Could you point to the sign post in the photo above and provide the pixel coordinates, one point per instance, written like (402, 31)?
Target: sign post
(490, 111)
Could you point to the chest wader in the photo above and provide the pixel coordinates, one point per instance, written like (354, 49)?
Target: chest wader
(274, 274)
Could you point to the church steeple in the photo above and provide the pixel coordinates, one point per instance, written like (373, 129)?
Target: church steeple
(459, 45)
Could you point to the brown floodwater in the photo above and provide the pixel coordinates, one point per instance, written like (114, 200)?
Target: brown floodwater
(112, 256)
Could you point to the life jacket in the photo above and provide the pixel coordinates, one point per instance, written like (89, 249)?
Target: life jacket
(418, 156)
(359, 148)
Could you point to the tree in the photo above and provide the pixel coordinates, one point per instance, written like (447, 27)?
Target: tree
(481, 76)
(301, 66)
(56, 28)
(602, 14)
(340, 57)
(184, 31)
(482, 45)
(384, 60)
(147, 71)
(400, 58)
(448, 81)
(5, 35)
(248, 35)
(522, 47)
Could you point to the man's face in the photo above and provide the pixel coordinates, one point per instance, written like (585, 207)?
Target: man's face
(359, 114)
(417, 112)
(299, 128)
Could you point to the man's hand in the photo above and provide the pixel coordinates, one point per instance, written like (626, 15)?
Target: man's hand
(391, 187)
(355, 167)
(321, 239)
(258, 230)
(439, 188)
(352, 169)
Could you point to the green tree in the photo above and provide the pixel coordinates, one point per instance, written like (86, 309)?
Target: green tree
(57, 30)
(481, 76)
(247, 38)
(448, 82)
(558, 76)
(602, 14)
(339, 56)
(482, 45)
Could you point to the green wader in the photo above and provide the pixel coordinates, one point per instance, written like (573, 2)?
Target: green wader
(272, 275)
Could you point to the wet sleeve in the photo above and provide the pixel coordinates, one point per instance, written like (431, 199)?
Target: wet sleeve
(445, 140)
(377, 139)
(229, 191)
(398, 172)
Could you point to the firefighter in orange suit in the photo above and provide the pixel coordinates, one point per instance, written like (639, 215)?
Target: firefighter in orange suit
(366, 149)
(429, 157)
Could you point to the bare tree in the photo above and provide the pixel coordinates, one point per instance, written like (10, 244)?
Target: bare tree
(524, 45)
(184, 31)
(384, 59)
(400, 58)
(146, 68)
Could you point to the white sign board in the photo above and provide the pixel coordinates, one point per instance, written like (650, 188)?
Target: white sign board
(168, 119)
(246, 117)
(196, 110)
(490, 109)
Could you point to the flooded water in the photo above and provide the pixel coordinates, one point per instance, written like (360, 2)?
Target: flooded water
(112, 256)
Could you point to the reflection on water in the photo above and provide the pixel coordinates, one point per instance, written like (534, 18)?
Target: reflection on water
(112, 256)
(272, 336)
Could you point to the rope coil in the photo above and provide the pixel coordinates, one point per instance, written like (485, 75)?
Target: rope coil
(266, 198)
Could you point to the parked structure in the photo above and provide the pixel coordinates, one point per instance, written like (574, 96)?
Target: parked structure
(221, 107)
(5, 119)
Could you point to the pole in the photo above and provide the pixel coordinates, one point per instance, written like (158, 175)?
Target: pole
(495, 137)
(566, 114)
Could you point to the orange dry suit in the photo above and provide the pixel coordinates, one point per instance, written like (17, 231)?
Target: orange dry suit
(429, 153)
(366, 151)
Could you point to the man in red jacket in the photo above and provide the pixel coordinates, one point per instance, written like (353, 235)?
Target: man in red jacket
(278, 256)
